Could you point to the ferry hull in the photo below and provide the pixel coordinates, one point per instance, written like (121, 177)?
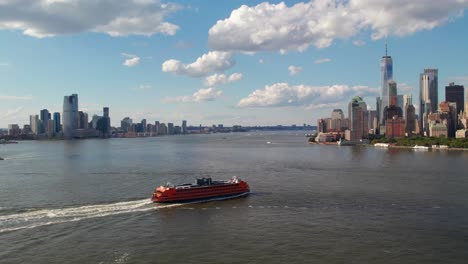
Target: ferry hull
(182, 194)
(207, 199)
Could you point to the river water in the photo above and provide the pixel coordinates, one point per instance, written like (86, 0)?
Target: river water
(87, 201)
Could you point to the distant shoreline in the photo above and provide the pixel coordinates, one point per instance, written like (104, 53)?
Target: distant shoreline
(392, 146)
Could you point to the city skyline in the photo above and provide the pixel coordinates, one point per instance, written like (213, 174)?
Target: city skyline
(167, 72)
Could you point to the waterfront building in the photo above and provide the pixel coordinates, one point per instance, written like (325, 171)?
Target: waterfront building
(407, 100)
(462, 133)
(162, 129)
(103, 123)
(125, 124)
(393, 114)
(438, 130)
(94, 121)
(400, 102)
(395, 127)
(448, 116)
(50, 128)
(150, 130)
(82, 120)
(170, 128)
(143, 125)
(321, 126)
(455, 93)
(156, 127)
(57, 124)
(177, 130)
(14, 130)
(373, 120)
(378, 103)
(184, 127)
(386, 71)
(358, 119)
(45, 117)
(70, 115)
(335, 123)
(392, 109)
(26, 130)
(410, 126)
(337, 114)
(428, 96)
(34, 122)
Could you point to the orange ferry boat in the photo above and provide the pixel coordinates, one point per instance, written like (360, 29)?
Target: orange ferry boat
(205, 188)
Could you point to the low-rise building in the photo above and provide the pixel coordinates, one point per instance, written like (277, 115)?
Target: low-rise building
(462, 133)
(395, 127)
(438, 130)
(14, 130)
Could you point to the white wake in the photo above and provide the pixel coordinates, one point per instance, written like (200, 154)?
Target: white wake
(43, 217)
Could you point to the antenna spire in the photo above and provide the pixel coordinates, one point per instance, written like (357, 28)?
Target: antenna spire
(386, 47)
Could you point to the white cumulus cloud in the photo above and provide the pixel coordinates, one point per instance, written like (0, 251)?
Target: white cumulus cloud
(132, 60)
(143, 87)
(208, 94)
(284, 94)
(216, 79)
(213, 61)
(359, 43)
(320, 61)
(278, 27)
(294, 70)
(47, 18)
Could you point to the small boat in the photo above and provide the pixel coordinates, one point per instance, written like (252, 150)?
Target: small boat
(205, 188)
(381, 145)
(421, 147)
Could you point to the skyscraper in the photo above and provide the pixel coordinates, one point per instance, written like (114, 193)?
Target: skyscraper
(82, 120)
(410, 126)
(126, 123)
(57, 126)
(336, 120)
(373, 120)
(394, 124)
(428, 97)
(170, 128)
(45, 116)
(409, 114)
(34, 123)
(358, 118)
(455, 94)
(103, 123)
(156, 127)
(70, 115)
(400, 102)
(386, 70)
(184, 126)
(407, 100)
(143, 125)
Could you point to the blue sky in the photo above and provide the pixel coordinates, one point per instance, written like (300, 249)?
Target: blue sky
(263, 63)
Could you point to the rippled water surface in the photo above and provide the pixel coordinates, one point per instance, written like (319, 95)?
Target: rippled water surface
(88, 202)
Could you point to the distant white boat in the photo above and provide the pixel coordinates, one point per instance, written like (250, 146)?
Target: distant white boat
(381, 145)
(421, 147)
(268, 142)
(440, 146)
